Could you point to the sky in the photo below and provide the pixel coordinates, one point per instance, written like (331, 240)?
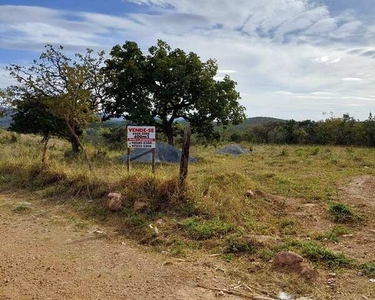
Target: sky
(300, 59)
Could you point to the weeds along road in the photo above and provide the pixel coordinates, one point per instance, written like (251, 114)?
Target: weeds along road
(46, 253)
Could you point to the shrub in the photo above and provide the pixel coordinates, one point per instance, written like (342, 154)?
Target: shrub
(316, 253)
(342, 213)
(368, 269)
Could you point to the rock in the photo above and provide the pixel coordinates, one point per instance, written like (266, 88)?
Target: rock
(304, 298)
(250, 194)
(154, 228)
(284, 296)
(159, 221)
(115, 201)
(140, 205)
(287, 259)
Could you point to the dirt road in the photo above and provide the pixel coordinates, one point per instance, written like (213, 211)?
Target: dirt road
(47, 255)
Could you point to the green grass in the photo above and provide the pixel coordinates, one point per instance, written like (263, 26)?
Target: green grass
(317, 253)
(240, 246)
(21, 208)
(205, 229)
(342, 213)
(368, 269)
(214, 212)
(333, 235)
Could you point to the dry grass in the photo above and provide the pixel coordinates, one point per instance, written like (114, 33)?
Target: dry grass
(214, 214)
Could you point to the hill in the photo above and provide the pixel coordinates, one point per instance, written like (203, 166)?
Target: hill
(5, 122)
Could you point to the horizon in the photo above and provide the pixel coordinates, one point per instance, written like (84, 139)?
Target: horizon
(292, 59)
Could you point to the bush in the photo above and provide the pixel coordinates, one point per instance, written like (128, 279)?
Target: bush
(368, 269)
(317, 253)
(342, 213)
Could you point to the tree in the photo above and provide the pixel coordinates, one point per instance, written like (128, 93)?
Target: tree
(65, 88)
(166, 85)
(4, 104)
(369, 127)
(31, 116)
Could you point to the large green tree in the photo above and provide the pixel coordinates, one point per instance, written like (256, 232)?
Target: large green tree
(31, 116)
(167, 84)
(59, 86)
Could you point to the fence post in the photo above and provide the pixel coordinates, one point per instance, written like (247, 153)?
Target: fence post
(128, 161)
(185, 158)
(153, 160)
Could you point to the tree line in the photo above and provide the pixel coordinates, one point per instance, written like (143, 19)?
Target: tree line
(346, 131)
(60, 95)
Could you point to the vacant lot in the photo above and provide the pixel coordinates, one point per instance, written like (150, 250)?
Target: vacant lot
(316, 201)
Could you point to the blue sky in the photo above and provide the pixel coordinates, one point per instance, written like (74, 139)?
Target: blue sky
(291, 58)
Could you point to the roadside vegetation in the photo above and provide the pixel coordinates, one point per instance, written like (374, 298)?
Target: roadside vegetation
(214, 215)
(287, 194)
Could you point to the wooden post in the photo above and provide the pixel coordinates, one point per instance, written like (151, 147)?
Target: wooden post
(128, 161)
(185, 158)
(153, 160)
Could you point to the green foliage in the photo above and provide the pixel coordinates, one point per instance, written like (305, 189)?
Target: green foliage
(333, 131)
(178, 248)
(32, 116)
(166, 85)
(21, 208)
(342, 213)
(316, 253)
(206, 229)
(56, 89)
(239, 245)
(368, 269)
(115, 138)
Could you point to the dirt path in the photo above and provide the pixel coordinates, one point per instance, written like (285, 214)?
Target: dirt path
(45, 254)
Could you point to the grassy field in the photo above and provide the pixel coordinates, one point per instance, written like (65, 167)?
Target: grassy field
(299, 202)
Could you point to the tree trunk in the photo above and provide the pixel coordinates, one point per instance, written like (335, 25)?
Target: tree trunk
(75, 145)
(169, 133)
(45, 141)
(77, 141)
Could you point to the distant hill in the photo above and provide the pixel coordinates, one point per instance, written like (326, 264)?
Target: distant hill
(253, 121)
(5, 122)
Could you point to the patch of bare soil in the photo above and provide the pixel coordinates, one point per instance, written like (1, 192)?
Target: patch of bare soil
(45, 255)
(359, 193)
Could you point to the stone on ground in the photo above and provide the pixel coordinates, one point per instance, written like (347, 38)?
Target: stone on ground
(115, 201)
(287, 259)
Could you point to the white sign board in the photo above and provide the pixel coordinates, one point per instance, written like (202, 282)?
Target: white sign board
(141, 137)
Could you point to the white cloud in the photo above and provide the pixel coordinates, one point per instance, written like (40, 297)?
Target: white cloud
(266, 46)
(5, 79)
(351, 79)
(226, 71)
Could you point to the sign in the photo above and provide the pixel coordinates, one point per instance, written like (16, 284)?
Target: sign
(141, 137)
